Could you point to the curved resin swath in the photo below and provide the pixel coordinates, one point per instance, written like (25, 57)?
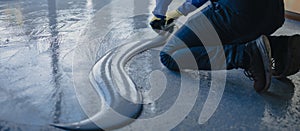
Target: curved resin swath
(121, 102)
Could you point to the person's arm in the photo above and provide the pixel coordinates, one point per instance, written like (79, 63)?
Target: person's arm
(161, 19)
(161, 8)
(190, 6)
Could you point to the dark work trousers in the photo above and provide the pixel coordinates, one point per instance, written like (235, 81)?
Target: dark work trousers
(236, 22)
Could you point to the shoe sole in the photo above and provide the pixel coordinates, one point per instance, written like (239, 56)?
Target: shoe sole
(264, 47)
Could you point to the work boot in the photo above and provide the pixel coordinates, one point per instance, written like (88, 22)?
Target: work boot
(286, 56)
(259, 66)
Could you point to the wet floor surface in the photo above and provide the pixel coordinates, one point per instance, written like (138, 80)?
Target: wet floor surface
(47, 48)
(37, 40)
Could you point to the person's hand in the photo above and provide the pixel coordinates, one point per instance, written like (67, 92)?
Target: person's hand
(163, 22)
(158, 23)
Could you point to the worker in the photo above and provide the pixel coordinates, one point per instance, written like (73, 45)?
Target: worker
(244, 28)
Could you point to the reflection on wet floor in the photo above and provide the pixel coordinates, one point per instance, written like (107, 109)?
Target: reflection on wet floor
(36, 43)
(38, 39)
(54, 47)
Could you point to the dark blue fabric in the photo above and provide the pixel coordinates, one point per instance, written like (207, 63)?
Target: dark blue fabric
(240, 26)
(236, 22)
(198, 3)
(160, 16)
(170, 54)
(201, 56)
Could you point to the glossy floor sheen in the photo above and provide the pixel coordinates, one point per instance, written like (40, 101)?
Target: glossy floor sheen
(48, 47)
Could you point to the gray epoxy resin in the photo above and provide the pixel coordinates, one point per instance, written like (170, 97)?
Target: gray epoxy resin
(121, 102)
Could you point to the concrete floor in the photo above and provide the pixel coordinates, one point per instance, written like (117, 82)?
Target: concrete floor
(47, 48)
